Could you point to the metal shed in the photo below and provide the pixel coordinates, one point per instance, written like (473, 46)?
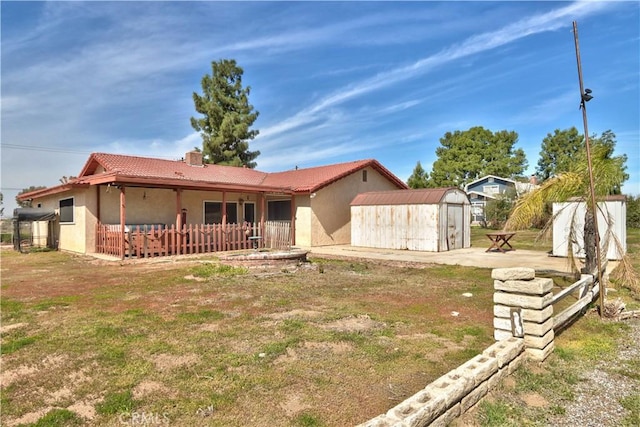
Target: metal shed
(433, 220)
(612, 214)
(34, 227)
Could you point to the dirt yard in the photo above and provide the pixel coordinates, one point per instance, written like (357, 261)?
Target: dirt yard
(193, 342)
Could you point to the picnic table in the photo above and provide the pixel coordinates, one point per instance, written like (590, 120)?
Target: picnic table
(499, 240)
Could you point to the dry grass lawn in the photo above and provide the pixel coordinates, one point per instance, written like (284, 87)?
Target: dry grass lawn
(195, 342)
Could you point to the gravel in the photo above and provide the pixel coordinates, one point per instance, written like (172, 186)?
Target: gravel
(600, 390)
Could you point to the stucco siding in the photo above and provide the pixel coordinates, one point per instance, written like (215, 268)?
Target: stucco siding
(331, 214)
(303, 221)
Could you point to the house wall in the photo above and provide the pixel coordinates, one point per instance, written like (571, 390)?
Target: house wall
(158, 206)
(78, 236)
(330, 211)
(571, 214)
(303, 220)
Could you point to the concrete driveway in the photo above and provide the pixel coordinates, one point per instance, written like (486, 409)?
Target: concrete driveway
(470, 257)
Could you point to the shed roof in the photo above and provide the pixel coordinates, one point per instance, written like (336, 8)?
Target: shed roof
(403, 197)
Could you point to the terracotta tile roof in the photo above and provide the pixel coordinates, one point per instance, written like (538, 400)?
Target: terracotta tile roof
(315, 178)
(146, 167)
(402, 197)
(103, 168)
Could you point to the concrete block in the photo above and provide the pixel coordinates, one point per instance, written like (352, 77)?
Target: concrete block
(540, 354)
(501, 323)
(505, 351)
(447, 418)
(518, 273)
(532, 341)
(501, 334)
(474, 397)
(528, 315)
(379, 421)
(428, 406)
(538, 286)
(538, 329)
(524, 301)
(452, 386)
(479, 368)
(496, 379)
(515, 364)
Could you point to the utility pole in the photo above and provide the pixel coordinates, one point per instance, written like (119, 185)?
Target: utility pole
(585, 96)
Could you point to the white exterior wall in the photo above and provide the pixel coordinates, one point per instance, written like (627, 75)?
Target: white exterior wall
(413, 227)
(330, 213)
(573, 212)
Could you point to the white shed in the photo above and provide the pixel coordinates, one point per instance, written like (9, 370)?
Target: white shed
(433, 220)
(612, 212)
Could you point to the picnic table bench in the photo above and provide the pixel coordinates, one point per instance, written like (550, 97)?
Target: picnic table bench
(499, 240)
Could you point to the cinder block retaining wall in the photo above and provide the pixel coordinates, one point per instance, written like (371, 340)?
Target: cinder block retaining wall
(522, 307)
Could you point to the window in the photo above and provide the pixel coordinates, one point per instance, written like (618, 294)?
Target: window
(249, 212)
(491, 189)
(213, 213)
(66, 210)
(279, 210)
(364, 175)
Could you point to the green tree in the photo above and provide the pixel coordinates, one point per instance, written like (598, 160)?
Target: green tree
(419, 178)
(27, 203)
(1, 203)
(633, 211)
(558, 151)
(468, 155)
(228, 116)
(496, 211)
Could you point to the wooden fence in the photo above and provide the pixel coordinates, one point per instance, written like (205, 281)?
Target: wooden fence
(584, 290)
(160, 240)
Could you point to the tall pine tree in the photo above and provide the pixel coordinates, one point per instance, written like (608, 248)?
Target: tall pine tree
(228, 116)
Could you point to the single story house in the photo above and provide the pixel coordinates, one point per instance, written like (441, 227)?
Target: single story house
(434, 219)
(177, 205)
(490, 187)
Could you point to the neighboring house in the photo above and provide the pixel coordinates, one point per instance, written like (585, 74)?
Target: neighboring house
(490, 187)
(116, 193)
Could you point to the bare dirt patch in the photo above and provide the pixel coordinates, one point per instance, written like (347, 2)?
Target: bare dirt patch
(360, 323)
(148, 387)
(165, 362)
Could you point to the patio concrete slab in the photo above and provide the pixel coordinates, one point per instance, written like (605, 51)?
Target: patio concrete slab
(470, 257)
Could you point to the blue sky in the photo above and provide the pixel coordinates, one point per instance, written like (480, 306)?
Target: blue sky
(333, 81)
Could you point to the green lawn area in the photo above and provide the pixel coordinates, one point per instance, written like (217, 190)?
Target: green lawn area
(524, 239)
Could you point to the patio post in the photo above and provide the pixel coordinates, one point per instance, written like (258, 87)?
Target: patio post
(178, 220)
(292, 237)
(123, 218)
(262, 210)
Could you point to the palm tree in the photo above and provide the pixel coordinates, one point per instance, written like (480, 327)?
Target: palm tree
(609, 174)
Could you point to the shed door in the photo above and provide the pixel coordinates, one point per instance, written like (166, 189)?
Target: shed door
(455, 227)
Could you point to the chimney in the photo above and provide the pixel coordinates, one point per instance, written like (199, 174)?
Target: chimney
(193, 158)
(533, 180)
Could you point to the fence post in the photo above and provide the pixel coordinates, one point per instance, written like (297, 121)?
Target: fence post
(523, 307)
